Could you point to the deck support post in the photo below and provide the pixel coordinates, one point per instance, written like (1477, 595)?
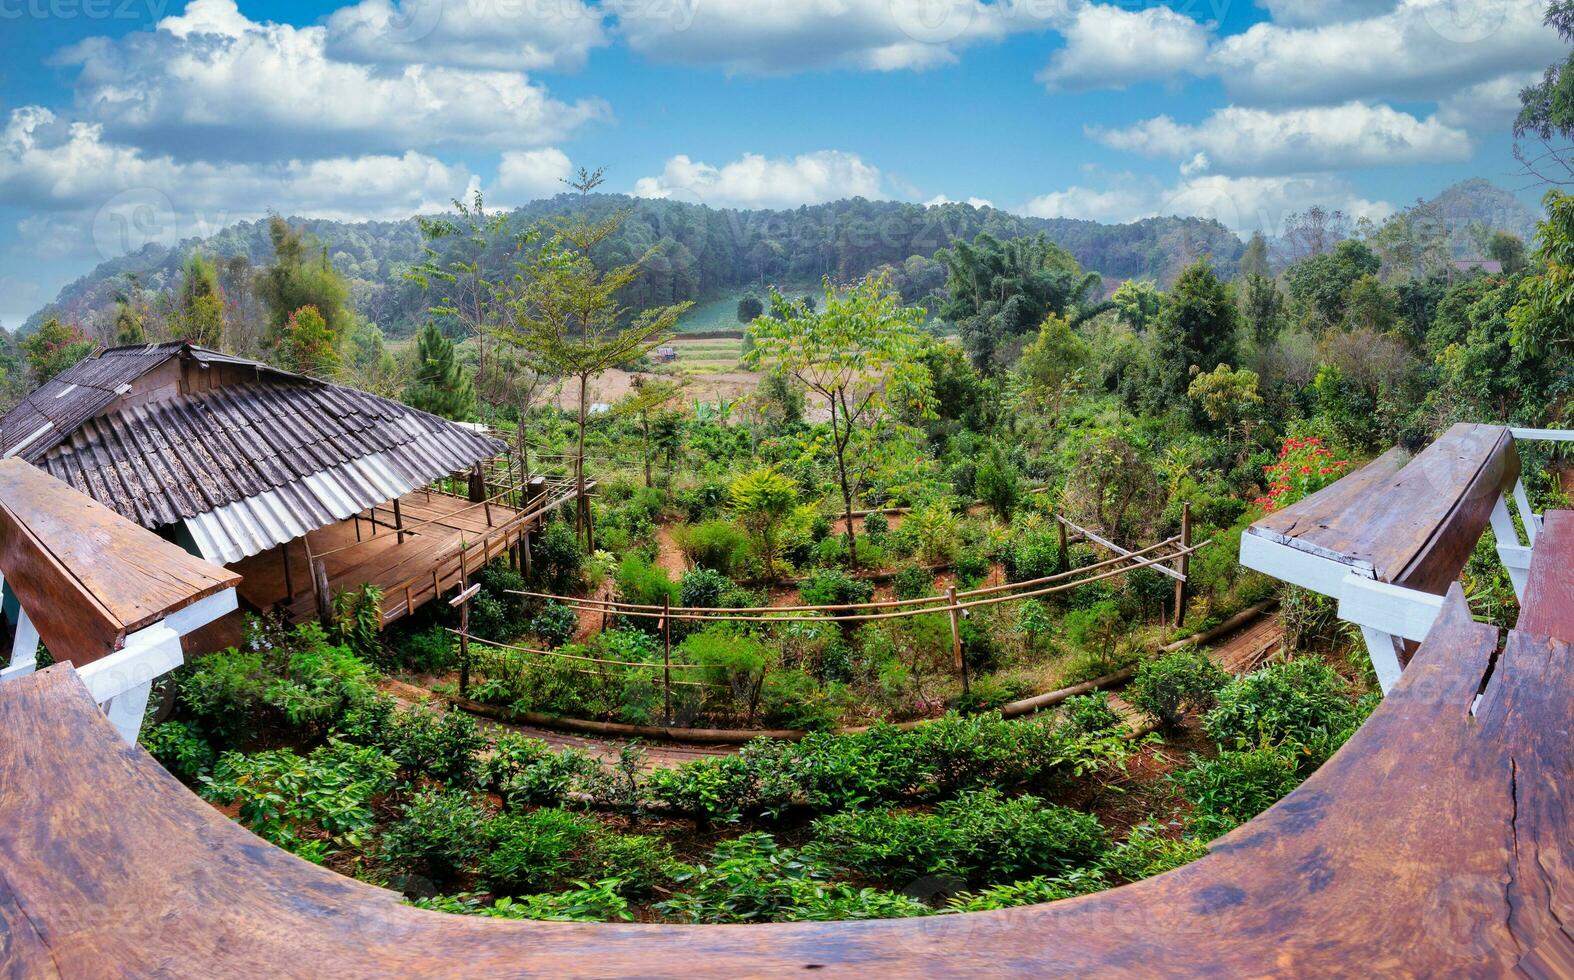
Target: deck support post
(1063, 558)
(1182, 565)
(320, 592)
(289, 584)
(666, 658)
(1511, 550)
(956, 635)
(24, 649)
(398, 523)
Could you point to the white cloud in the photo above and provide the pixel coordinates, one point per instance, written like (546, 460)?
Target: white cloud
(516, 35)
(1242, 140)
(1112, 47)
(977, 202)
(1487, 107)
(781, 36)
(1242, 204)
(754, 181)
(91, 195)
(533, 173)
(1422, 49)
(213, 83)
(1112, 206)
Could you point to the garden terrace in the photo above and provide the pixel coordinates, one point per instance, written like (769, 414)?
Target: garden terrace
(1446, 803)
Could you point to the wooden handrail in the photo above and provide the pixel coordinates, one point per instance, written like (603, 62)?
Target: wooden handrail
(1433, 843)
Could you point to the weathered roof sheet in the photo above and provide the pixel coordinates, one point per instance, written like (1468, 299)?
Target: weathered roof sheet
(246, 466)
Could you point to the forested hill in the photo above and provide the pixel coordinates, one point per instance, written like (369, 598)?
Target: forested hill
(699, 251)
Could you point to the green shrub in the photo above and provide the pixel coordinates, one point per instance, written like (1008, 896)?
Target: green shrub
(637, 862)
(535, 851)
(1089, 714)
(971, 568)
(512, 753)
(642, 582)
(913, 582)
(1300, 702)
(556, 558)
(307, 804)
(179, 749)
(794, 699)
(554, 623)
(440, 745)
(979, 837)
(439, 834)
(430, 651)
(1144, 854)
(703, 588)
(736, 663)
(719, 790)
(1033, 891)
(1230, 790)
(1031, 556)
(718, 545)
(989, 693)
(751, 879)
(599, 902)
(546, 781)
(834, 587)
(876, 526)
(1166, 688)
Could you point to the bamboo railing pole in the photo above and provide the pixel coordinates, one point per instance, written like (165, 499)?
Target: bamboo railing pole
(956, 635)
(1183, 566)
(666, 658)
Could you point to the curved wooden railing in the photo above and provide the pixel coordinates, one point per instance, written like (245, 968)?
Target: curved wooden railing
(1434, 842)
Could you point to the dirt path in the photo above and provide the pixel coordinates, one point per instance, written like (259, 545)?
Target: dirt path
(669, 557)
(659, 755)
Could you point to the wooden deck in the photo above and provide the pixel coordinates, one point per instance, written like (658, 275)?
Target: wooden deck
(451, 538)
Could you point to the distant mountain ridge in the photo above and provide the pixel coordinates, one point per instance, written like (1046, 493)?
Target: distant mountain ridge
(1480, 200)
(696, 251)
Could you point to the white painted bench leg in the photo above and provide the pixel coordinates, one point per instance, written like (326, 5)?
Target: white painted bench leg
(24, 652)
(1514, 554)
(1380, 647)
(125, 710)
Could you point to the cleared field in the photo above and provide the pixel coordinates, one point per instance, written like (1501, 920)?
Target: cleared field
(721, 313)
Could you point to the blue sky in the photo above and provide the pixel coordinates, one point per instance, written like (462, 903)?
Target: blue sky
(133, 120)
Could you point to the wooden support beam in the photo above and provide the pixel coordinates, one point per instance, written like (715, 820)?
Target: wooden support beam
(1183, 566)
(1113, 547)
(398, 522)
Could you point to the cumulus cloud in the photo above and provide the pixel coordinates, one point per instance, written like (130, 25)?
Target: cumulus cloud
(1301, 12)
(525, 35)
(533, 173)
(977, 202)
(1487, 107)
(782, 36)
(1243, 140)
(1112, 47)
(1422, 49)
(212, 83)
(1112, 206)
(92, 194)
(1242, 204)
(755, 181)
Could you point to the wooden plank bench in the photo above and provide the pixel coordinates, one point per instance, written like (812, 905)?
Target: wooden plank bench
(1548, 609)
(98, 591)
(1428, 846)
(1389, 539)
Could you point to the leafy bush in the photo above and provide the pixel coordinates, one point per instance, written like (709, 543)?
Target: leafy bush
(876, 526)
(547, 780)
(642, 582)
(834, 587)
(554, 623)
(913, 582)
(751, 879)
(794, 699)
(556, 558)
(535, 851)
(637, 862)
(430, 651)
(717, 545)
(1144, 854)
(971, 567)
(179, 749)
(1301, 702)
(735, 662)
(1168, 687)
(709, 791)
(1031, 556)
(978, 837)
(1230, 790)
(703, 588)
(444, 746)
(1089, 714)
(439, 834)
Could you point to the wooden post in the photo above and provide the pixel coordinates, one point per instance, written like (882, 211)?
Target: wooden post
(320, 590)
(357, 526)
(1183, 566)
(462, 600)
(666, 657)
(477, 484)
(1065, 558)
(956, 635)
(398, 522)
(289, 585)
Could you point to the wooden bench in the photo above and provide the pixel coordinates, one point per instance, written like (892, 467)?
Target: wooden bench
(1548, 608)
(1388, 540)
(1430, 844)
(98, 591)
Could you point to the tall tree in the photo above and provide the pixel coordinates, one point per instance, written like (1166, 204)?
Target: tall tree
(1262, 309)
(1546, 113)
(862, 353)
(1314, 232)
(307, 346)
(1254, 260)
(567, 316)
(1137, 302)
(54, 347)
(199, 304)
(1319, 284)
(1196, 330)
(439, 384)
(301, 275)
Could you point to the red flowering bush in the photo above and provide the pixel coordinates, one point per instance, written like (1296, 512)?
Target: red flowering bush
(1305, 466)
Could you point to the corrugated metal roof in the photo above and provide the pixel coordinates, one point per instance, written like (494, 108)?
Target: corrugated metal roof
(246, 466)
(60, 404)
